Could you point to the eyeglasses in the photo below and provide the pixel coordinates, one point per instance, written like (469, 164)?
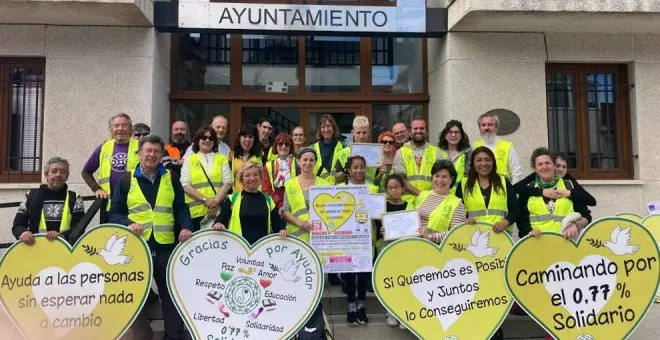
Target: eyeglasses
(143, 134)
(282, 144)
(453, 132)
(387, 142)
(205, 137)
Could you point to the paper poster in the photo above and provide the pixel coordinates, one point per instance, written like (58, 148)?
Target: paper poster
(401, 224)
(653, 207)
(225, 289)
(598, 288)
(372, 153)
(341, 227)
(377, 205)
(652, 223)
(93, 290)
(443, 291)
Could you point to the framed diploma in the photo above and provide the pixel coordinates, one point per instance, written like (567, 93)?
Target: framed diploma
(400, 224)
(377, 205)
(372, 153)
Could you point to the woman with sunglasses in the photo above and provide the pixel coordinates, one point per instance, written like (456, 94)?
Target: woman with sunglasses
(388, 141)
(280, 170)
(205, 177)
(455, 142)
(246, 148)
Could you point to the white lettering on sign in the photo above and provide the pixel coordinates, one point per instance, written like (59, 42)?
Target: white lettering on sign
(408, 17)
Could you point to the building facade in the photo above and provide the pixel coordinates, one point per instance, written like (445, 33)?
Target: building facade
(578, 76)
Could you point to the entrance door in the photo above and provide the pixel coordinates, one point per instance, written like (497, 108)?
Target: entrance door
(343, 117)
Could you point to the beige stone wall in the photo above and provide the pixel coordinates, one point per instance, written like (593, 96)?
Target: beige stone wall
(471, 73)
(91, 73)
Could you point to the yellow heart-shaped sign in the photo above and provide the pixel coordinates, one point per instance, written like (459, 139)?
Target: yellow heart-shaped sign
(652, 223)
(335, 210)
(630, 216)
(443, 292)
(93, 290)
(600, 287)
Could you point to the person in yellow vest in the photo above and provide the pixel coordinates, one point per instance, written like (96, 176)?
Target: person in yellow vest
(507, 157)
(246, 148)
(456, 144)
(361, 134)
(415, 159)
(299, 140)
(205, 177)
(51, 209)
(150, 201)
(487, 196)
(388, 142)
(280, 170)
(439, 209)
(250, 213)
(112, 158)
(539, 213)
(329, 148)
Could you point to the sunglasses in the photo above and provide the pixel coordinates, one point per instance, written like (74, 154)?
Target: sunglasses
(206, 138)
(141, 134)
(387, 142)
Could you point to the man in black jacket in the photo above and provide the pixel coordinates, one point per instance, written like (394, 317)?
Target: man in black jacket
(51, 209)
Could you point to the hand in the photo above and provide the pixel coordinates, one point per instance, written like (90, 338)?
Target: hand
(550, 193)
(27, 238)
(52, 235)
(101, 194)
(284, 233)
(471, 220)
(382, 169)
(211, 204)
(218, 226)
(382, 230)
(177, 161)
(501, 226)
(136, 229)
(433, 237)
(184, 235)
(535, 233)
(421, 231)
(563, 193)
(571, 231)
(305, 225)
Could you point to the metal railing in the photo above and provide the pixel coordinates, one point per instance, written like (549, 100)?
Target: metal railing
(78, 229)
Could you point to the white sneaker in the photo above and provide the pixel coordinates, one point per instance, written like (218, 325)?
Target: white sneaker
(391, 320)
(401, 326)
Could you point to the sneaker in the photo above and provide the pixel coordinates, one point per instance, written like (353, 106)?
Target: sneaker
(351, 319)
(362, 316)
(391, 320)
(402, 326)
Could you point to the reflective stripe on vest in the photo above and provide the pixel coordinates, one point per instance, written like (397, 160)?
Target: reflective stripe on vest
(502, 151)
(235, 220)
(339, 156)
(440, 218)
(419, 177)
(475, 204)
(65, 223)
(160, 219)
(105, 163)
(299, 209)
(199, 182)
(539, 216)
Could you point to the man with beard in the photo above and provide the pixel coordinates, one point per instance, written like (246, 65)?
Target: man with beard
(415, 159)
(265, 130)
(177, 147)
(111, 158)
(506, 156)
(51, 209)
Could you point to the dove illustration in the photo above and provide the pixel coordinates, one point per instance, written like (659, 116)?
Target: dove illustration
(620, 242)
(289, 271)
(112, 254)
(479, 247)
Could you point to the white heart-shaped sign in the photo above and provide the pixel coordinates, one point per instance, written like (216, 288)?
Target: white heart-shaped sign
(223, 288)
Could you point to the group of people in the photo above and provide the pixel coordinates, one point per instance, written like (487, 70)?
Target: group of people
(165, 192)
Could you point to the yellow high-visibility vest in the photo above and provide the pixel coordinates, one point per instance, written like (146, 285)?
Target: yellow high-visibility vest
(299, 209)
(200, 183)
(502, 152)
(440, 219)
(159, 219)
(539, 216)
(235, 220)
(475, 205)
(105, 163)
(65, 223)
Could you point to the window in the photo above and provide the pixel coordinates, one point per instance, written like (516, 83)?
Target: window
(202, 62)
(21, 115)
(270, 63)
(384, 116)
(333, 64)
(589, 119)
(397, 65)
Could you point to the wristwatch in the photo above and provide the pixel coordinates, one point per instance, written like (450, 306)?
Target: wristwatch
(204, 200)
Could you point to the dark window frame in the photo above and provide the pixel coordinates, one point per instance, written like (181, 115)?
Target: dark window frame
(584, 168)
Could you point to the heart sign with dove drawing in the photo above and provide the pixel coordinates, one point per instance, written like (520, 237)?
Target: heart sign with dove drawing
(335, 210)
(599, 287)
(93, 290)
(442, 292)
(652, 223)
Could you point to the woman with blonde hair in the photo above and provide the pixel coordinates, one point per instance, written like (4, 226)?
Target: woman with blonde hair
(250, 213)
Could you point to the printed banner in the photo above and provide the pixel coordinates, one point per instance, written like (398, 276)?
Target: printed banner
(225, 289)
(598, 288)
(652, 223)
(93, 290)
(443, 291)
(341, 227)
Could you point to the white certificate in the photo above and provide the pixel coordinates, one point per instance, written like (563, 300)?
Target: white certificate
(377, 205)
(400, 224)
(372, 153)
